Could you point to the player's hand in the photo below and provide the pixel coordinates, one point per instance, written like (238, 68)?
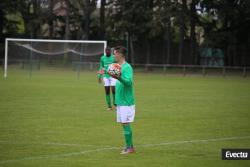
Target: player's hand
(99, 80)
(101, 71)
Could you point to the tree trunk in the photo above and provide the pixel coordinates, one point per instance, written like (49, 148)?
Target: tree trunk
(168, 40)
(192, 32)
(182, 30)
(235, 55)
(26, 18)
(131, 50)
(1, 23)
(148, 45)
(51, 28)
(151, 7)
(67, 33)
(87, 19)
(36, 17)
(102, 19)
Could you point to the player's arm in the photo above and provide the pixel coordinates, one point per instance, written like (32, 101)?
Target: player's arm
(100, 72)
(101, 67)
(127, 77)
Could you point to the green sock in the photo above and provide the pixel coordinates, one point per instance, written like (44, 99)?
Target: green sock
(108, 101)
(114, 99)
(128, 135)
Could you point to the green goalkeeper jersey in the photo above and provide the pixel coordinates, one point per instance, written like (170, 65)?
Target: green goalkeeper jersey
(104, 63)
(124, 92)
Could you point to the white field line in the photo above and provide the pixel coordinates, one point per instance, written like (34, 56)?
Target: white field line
(57, 155)
(115, 148)
(196, 141)
(50, 143)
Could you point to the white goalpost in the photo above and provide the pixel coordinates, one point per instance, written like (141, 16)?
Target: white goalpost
(29, 50)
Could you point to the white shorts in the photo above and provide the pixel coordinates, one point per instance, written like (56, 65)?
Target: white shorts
(125, 114)
(109, 81)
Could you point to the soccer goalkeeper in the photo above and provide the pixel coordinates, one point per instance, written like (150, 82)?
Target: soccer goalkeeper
(103, 75)
(124, 97)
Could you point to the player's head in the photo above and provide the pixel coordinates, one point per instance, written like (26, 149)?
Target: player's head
(120, 53)
(108, 51)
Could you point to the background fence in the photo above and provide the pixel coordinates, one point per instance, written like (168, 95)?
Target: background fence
(183, 70)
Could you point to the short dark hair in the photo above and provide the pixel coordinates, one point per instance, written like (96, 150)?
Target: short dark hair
(122, 50)
(108, 48)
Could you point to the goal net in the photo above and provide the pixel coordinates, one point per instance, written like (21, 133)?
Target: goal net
(40, 54)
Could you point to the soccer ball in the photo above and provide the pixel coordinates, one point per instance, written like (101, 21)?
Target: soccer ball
(114, 69)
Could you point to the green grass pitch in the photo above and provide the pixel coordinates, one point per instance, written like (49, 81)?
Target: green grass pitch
(54, 119)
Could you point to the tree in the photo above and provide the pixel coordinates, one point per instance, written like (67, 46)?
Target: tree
(6, 8)
(143, 24)
(86, 8)
(193, 22)
(182, 14)
(67, 17)
(226, 25)
(134, 18)
(165, 11)
(102, 19)
(51, 18)
(30, 12)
